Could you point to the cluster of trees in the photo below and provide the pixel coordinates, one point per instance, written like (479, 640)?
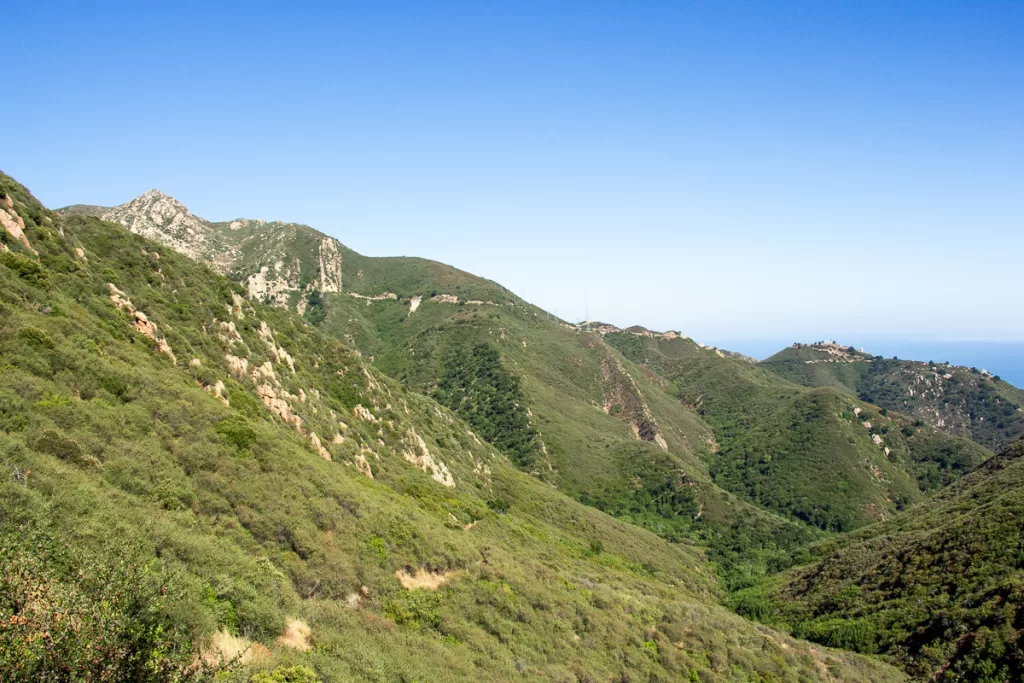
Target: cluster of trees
(490, 399)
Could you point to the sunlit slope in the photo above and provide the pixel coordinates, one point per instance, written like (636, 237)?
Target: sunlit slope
(818, 454)
(143, 398)
(968, 402)
(939, 588)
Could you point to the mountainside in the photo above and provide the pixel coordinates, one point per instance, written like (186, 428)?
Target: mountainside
(584, 418)
(305, 510)
(818, 455)
(940, 587)
(967, 402)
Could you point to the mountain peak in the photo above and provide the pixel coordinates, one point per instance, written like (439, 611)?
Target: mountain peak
(161, 217)
(156, 199)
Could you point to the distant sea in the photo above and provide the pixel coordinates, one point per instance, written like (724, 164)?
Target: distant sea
(1005, 359)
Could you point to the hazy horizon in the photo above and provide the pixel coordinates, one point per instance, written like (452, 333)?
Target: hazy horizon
(791, 172)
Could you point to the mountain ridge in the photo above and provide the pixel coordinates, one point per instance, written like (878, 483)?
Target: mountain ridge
(276, 539)
(961, 401)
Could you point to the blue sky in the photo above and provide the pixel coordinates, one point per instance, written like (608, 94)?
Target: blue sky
(740, 171)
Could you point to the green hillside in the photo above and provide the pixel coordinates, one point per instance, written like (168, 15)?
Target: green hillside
(817, 455)
(938, 588)
(199, 471)
(601, 429)
(968, 402)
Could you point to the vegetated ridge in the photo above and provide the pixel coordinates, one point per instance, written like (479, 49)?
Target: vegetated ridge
(969, 402)
(208, 476)
(939, 588)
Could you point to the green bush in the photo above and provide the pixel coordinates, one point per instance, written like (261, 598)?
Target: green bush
(237, 431)
(294, 674)
(26, 268)
(87, 617)
(56, 444)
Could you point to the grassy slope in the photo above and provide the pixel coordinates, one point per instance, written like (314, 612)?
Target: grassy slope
(259, 527)
(589, 454)
(939, 588)
(804, 452)
(966, 403)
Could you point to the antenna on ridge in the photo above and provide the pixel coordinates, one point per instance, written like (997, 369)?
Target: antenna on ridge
(586, 312)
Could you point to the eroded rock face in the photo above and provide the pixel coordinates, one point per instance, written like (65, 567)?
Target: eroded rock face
(163, 218)
(621, 393)
(262, 254)
(142, 322)
(418, 455)
(13, 223)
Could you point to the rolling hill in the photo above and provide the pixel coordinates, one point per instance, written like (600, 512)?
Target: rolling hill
(969, 402)
(816, 454)
(198, 471)
(939, 588)
(584, 418)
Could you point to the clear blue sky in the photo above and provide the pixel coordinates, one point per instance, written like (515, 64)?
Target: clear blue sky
(734, 170)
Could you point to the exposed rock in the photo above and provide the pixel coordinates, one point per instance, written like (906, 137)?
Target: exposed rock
(265, 371)
(13, 223)
(273, 283)
(362, 464)
(330, 266)
(279, 405)
(237, 366)
(419, 456)
(282, 356)
(414, 303)
(324, 453)
(162, 218)
(621, 390)
(142, 323)
(120, 299)
(363, 414)
(220, 391)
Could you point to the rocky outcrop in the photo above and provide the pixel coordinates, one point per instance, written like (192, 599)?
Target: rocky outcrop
(417, 454)
(142, 322)
(261, 254)
(621, 395)
(163, 218)
(13, 223)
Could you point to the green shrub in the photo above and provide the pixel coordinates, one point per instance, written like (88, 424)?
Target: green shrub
(56, 444)
(489, 397)
(294, 674)
(416, 608)
(35, 337)
(87, 617)
(26, 268)
(236, 430)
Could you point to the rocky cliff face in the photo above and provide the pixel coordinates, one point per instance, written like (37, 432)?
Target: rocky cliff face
(280, 263)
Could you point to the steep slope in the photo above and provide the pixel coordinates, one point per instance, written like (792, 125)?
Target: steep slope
(296, 497)
(584, 418)
(939, 588)
(284, 264)
(818, 454)
(961, 401)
